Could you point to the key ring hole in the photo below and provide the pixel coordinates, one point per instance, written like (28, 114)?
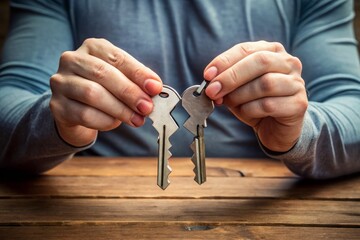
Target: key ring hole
(164, 95)
(196, 94)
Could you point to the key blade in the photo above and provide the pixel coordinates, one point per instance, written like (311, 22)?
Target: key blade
(198, 158)
(164, 123)
(164, 169)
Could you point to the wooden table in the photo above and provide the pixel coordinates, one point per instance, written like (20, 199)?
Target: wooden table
(117, 198)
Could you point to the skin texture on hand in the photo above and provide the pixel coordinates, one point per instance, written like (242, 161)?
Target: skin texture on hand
(98, 87)
(261, 84)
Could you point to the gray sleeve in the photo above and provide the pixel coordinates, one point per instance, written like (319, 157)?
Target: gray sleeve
(39, 32)
(330, 142)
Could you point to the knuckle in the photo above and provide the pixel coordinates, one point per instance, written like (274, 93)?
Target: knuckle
(110, 124)
(91, 93)
(100, 71)
(101, 40)
(67, 56)
(138, 73)
(267, 84)
(233, 76)
(263, 42)
(277, 47)
(85, 116)
(299, 80)
(224, 59)
(267, 105)
(55, 81)
(128, 92)
(90, 41)
(296, 63)
(245, 48)
(125, 114)
(302, 103)
(117, 58)
(263, 59)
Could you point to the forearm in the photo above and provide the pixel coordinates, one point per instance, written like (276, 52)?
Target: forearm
(327, 146)
(29, 142)
(39, 32)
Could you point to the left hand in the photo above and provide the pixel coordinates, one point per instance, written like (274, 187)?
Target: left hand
(261, 84)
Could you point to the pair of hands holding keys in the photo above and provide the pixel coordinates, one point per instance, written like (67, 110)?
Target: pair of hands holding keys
(99, 86)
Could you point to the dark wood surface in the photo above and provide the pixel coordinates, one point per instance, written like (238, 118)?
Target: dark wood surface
(117, 198)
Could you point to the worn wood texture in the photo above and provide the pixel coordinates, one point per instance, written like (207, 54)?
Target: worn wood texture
(220, 167)
(215, 211)
(101, 198)
(180, 188)
(131, 231)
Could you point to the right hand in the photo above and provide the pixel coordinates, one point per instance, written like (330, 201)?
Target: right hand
(96, 88)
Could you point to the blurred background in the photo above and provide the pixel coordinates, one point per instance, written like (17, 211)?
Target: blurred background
(4, 17)
(4, 20)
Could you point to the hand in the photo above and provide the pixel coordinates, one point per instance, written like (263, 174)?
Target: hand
(97, 87)
(262, 86)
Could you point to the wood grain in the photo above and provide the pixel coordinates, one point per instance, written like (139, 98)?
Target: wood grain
(193, 231)
(214, 211)
(216, 167)
(180, 187)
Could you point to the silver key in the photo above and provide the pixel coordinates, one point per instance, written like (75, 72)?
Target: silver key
(199, 107)
(165, 125)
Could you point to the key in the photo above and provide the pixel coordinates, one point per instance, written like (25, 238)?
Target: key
(199, 107)
(164, 123)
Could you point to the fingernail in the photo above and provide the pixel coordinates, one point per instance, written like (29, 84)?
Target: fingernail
(152, 87)
(213, 89)
(144, 107)
(137, 120)
(210, 73)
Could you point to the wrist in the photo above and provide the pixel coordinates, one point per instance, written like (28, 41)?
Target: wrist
(76, 136)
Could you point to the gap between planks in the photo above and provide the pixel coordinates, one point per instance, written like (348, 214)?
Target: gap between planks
(176, 231)
(245, 212)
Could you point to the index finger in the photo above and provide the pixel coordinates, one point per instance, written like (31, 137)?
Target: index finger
(238, 52)
(137, 72)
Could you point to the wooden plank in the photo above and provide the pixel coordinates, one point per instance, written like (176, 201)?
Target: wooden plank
(176, 231)
(181, 187)
(216, 167)
(271, 212)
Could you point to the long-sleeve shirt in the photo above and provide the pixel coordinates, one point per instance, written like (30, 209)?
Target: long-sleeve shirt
(177, 39)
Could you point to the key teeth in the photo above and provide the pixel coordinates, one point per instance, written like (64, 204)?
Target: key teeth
(193, 160)
(167, 169)
(195, 170)
(167, 172)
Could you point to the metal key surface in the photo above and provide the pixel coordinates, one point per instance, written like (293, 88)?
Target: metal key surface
(199, 107)
(163, 122)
